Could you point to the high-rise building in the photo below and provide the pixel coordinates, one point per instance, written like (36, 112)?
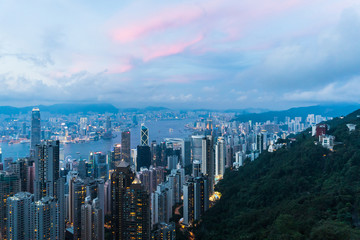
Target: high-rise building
(9, 186)
(136, 212)
(201, 194)
(189, 202)
(20, 224)
(143, 158)
(121, 179)
(161, 207)
(130, 205)
(144, 135)
(47, 171)
(20, 168)
(92, 220)
(220, 157)
(35, 129)
(46, 219)
(196, 147)
(79, 195)
(117, 153)
(164, 231)
(196, 168)
(208, 163)
(125, 146)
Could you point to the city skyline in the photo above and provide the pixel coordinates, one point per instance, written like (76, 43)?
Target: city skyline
(208, 54)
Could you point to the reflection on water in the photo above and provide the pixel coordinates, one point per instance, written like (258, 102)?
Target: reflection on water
(158, 130)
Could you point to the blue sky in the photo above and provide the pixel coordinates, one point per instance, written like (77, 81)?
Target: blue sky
(219, 54)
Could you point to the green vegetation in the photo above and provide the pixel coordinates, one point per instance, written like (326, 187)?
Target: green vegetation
(300, 192)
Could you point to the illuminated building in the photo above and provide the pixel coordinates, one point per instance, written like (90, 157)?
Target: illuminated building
(92, 220)
(136, 212)
(161, 204)
(79, 194)
(144, 135)
(9, 185)
(46, 169)
(125, 146)
(121, 179)
(117, 153)
(196, 168)
(46, 220)
(164, 231)
(189, 202)
(207, 163)
(20, 217)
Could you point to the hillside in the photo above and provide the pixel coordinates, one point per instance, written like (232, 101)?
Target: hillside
(62, 109)
(299, 192)
(325, 111)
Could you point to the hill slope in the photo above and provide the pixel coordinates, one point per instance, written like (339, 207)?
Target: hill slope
(300, 192)
(325, 111)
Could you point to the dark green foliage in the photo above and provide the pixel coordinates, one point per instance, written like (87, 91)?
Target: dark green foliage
(301, 192)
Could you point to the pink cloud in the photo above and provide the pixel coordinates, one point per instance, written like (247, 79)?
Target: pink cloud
(168, 18)
(164, 50)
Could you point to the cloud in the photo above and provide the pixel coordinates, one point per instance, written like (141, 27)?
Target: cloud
(221, 54)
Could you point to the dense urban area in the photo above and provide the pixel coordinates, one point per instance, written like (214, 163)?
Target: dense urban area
(157, 189)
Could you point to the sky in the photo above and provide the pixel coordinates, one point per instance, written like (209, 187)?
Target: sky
(220, 54)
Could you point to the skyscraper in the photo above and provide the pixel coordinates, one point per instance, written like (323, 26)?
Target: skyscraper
(35, 129)
(46, 220)
(46, 169)
(136, 212)
(207, 163)
(143, 158)
(220, 155)
(121, 179)
(144, 135)
(92, 220)
(79, 195)
(125, 146)
(20, 224)
(9, 185)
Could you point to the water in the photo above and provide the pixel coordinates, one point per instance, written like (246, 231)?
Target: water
(158, 130)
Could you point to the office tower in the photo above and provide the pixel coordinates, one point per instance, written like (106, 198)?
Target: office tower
(35, 129)
(0, 155)
(78, 199)
(196, 168)
(164, 231)
(196, 147)
(46, 169)
(100, 165)
(136, 212)
(189, 202)
(125, 146)
(117, 154)
(46, 218)
(207, 163)
(95, 189)
(144, 177)
(107, 197)
(121, 179)
(9, 185)
(144, 135)
(92, 220)
(20, 217)
(220, 155)
(186, 153)
(143, 158)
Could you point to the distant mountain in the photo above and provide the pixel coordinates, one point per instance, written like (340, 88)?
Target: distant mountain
(325, 111)
(62, 109)
(302, 191)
